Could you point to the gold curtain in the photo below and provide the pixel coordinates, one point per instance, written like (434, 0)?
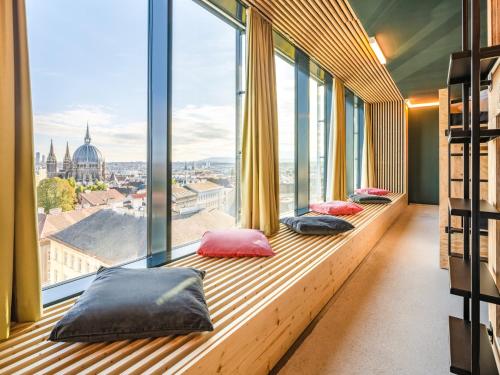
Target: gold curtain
(260, 179)
(368, 164)
(339, 178)
(20, 292)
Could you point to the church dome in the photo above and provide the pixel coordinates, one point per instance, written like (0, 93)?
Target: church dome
(87, 153)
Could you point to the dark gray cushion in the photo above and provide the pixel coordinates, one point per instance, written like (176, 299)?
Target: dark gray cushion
(369, 198)
(124, 303)
(317, 224)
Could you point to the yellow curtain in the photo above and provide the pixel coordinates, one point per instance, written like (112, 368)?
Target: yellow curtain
(368, 164)
(339, 178)
(260, 179)
(20, 294)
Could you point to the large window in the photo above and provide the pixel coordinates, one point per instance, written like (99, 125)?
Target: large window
(317, 146)
(285, 87)
(206, 73)
(89, 86)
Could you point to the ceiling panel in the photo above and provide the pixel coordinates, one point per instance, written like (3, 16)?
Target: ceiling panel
(417, 38)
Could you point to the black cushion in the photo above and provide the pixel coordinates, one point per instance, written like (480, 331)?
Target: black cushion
(369, 198)
(326, 224)
(124, 303)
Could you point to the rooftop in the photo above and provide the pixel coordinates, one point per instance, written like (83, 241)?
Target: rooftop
(101, 197)
(201, 187)
(107, 235)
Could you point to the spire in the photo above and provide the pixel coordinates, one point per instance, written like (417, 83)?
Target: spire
(67, 156)
(51, 152)
(87, 135)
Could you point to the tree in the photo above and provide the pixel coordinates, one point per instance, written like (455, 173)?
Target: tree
(99, 185)
(56, 192)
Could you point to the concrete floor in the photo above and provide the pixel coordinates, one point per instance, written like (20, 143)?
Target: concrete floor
(391, 317)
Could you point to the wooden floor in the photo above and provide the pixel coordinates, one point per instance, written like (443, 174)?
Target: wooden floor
(237, 290)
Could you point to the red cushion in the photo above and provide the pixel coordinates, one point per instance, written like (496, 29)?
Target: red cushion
(336, 208)
(235, 243)
(372, 191)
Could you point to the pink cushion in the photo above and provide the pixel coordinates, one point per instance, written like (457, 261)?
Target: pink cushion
(235, 243)
(372, 191)
(336, 208)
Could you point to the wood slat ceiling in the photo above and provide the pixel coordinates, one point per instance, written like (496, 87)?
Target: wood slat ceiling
(330, 32)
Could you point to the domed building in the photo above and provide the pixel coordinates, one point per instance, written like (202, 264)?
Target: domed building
(87, 165)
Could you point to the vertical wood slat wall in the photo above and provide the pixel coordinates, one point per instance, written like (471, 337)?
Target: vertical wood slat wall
(389, 144)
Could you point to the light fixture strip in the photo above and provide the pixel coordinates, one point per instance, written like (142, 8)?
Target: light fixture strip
(377, 50)
(421, 105)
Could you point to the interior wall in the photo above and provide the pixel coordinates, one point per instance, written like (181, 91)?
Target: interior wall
(423, 155)
(389, 145)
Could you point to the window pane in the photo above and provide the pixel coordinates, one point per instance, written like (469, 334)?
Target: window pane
(204, 123)
(285, 87)
(89, 87)
(316, 140)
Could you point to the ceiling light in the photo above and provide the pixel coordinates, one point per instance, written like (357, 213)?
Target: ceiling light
(377, 50)
(421, 105)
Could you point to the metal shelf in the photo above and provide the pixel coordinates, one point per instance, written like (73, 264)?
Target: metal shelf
(460, 348)
(453, 230)
(459, 67)
(462, 207)
(464, 136)
(460, 281)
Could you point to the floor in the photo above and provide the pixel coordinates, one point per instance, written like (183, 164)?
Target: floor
(391, 317)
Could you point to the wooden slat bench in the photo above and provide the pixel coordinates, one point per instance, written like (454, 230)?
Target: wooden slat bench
(259, 307)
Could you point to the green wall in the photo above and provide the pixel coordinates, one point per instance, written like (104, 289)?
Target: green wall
(423, 155)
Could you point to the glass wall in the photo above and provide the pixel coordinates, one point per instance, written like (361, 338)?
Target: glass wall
(107, 141)
(205, 122)
(317, 145)
(285, 87)
(89, 67)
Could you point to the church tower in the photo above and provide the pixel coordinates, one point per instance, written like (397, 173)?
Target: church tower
(51, 162)
(67, 161)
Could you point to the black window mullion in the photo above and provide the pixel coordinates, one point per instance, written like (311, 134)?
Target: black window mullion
(159, 132)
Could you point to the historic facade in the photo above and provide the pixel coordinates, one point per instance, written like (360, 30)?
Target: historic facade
(86, 166)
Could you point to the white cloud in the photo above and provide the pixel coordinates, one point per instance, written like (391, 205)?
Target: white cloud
(118, 140)
(201, 132)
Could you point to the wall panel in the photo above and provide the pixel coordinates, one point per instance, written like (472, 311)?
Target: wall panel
(389, 143)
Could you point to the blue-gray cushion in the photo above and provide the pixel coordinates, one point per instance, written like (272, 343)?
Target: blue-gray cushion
(323, 225)
(369, 198)
(124, 303)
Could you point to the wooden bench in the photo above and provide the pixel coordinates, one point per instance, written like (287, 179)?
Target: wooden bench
(259, 307)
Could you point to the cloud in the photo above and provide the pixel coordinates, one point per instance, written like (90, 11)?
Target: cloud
(118, 140)
(201, 132)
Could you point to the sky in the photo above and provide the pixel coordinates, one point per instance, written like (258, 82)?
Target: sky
(88, 61)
